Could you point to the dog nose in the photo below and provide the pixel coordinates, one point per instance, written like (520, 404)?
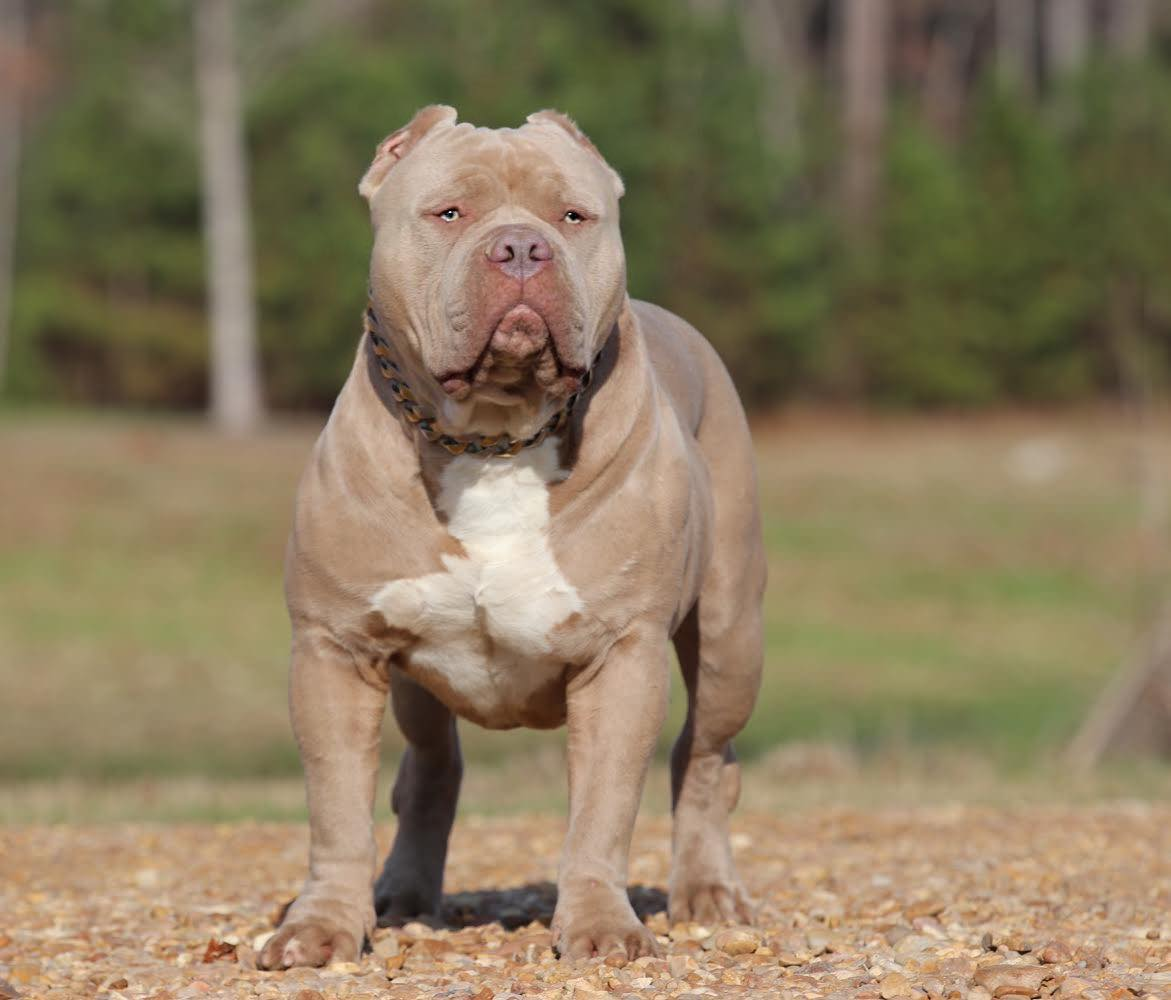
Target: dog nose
(520, 251)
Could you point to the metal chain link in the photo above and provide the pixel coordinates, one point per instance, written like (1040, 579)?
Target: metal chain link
(485, 446)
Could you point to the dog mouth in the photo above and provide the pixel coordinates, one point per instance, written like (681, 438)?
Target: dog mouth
(518, 365)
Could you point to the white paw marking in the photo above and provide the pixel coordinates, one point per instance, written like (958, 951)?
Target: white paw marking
(294, 954)
(483, 623)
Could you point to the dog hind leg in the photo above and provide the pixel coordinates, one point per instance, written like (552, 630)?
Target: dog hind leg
(424, 798)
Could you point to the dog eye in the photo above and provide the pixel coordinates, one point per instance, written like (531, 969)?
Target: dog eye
(449, 214)
(573, 218)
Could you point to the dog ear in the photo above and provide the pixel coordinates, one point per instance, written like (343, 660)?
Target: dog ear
(396, 145)
(567, 124)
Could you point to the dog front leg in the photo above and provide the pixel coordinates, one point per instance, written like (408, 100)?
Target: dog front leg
(337, 707)
(615, 713)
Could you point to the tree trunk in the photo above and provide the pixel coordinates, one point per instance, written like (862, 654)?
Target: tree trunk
(1067, 37)
(949, 53)
(864, 49)
(1132, 717)
(1129, 28)
(773, 34)
(12, 41)
(1133, 714)
(1016, 37)
(236, 400)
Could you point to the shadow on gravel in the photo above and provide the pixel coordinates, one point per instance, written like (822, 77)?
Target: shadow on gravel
(511, 908)
(525, 904)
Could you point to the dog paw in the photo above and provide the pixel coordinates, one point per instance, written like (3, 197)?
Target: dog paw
(314, 934)
(598, 920)
(405, 895)
(709, 901)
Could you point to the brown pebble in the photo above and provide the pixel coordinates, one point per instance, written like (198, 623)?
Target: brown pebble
(894, 985)
(893, 935)
(1055, 953)
(76, 934)
(23, 973)
(915, 944)
(386, 946)
(737, 941)
(818, 941)
(1011, 980)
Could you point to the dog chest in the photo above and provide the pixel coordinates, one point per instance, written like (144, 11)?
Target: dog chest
(482, 624)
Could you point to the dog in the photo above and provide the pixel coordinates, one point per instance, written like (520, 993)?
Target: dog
(531, 485)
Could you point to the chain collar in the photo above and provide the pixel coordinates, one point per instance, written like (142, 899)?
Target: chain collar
(485, 446)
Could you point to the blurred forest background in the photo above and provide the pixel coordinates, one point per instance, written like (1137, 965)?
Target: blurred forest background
(930, 238)
(918, 202)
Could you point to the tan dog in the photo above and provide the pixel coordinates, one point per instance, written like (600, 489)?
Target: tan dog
(529, 487)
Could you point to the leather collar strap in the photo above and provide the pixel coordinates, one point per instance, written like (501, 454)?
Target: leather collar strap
(485, 446)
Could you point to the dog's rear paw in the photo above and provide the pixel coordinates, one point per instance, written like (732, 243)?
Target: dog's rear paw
(396, 907)
(709, 902)
(406, 893)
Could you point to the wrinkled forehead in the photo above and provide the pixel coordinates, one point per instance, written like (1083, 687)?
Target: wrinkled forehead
(510, 164)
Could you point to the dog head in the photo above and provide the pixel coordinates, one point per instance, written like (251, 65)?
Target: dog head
(497, 263)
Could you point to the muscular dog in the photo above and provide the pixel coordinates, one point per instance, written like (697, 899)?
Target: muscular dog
(530, 486)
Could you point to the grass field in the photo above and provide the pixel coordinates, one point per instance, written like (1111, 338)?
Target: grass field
(947, 589)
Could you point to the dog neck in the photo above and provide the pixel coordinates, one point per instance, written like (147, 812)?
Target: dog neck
(407, 406)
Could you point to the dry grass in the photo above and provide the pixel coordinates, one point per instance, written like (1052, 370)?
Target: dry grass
(794, 780)
(940, 588)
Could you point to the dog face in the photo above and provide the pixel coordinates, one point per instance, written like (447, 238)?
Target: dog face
(497, 262)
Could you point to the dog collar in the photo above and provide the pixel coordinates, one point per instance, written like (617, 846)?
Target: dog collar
(485, 446)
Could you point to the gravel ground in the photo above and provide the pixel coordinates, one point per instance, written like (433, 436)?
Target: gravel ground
(943, 902)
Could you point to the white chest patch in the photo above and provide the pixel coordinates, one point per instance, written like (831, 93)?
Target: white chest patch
(483, 623)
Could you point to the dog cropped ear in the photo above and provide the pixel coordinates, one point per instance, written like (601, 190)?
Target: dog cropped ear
(396, 145)
(564, 122)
